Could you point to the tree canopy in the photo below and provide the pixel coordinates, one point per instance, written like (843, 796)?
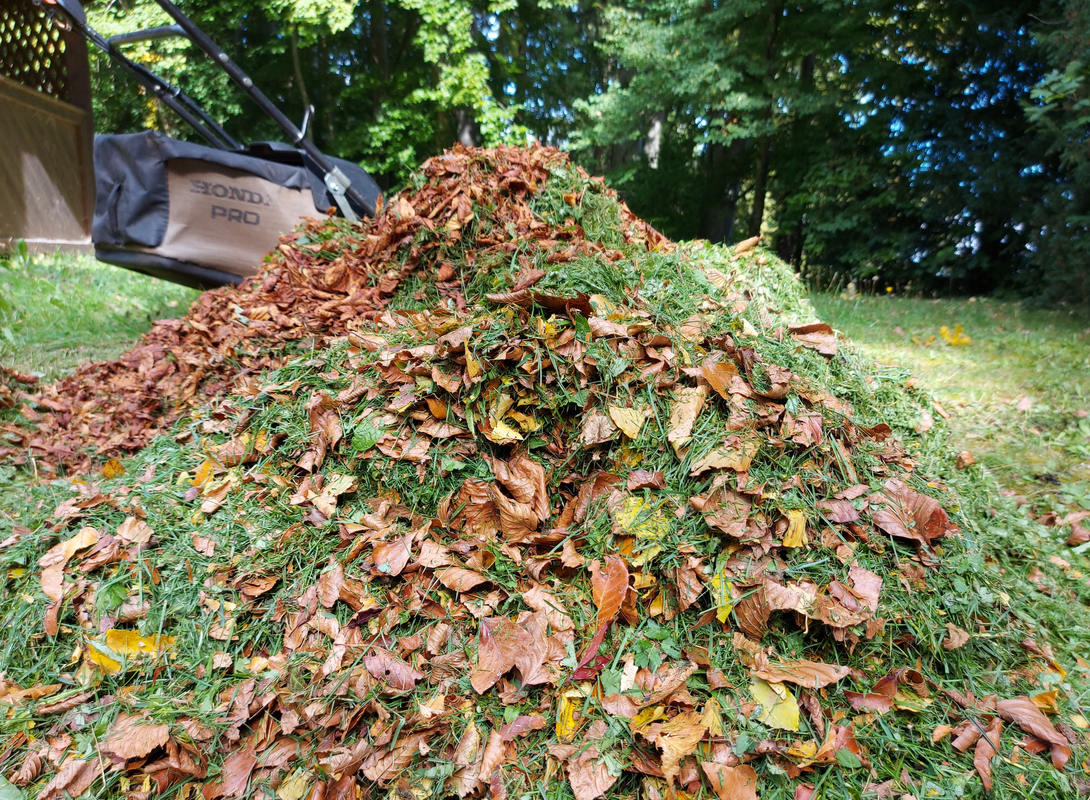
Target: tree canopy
(938, 146)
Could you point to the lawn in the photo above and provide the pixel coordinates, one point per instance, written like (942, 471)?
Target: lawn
(61, 310)
(1016, 387)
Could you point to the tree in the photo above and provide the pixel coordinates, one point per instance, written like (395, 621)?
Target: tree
(1059, 112)
(392, 82)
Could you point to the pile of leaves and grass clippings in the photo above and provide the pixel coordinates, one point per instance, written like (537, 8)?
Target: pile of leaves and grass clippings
(323, 281)
(534, 504)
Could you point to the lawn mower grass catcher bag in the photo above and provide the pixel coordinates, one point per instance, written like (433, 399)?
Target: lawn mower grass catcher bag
(200, 215)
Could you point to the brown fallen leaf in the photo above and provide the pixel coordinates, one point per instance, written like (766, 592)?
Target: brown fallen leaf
(30, 769)
(134, 531)
(987, 748)
(871, 701)
(1024, 713)
(597, 428)
(955, 637)
(133, 737)
(74, 777)
(736, 454)
(55, 559)
(967, 734)
(809, 674)
(459, 579)
(677, 739)
(905, 513)
(609, 584)
(719, 375)
(386, 667)
(818, 336)
(746, 245)
(588, 775)
(731, 783)
(464, 780)
(522, 725)
(391, 557)
(683, 414)
(645, 479)
(503, 643)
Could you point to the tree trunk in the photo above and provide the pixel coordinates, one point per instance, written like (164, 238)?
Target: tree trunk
(791, 249)
(469, 133)
(380, 55)
(653, 144)
(721, 214)
(760, 185)
(764, 146)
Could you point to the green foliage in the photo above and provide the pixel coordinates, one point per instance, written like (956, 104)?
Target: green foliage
(1059, 110)
(392, 83)
(939, 147)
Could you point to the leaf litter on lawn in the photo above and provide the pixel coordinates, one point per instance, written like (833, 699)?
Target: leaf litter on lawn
(501, 494)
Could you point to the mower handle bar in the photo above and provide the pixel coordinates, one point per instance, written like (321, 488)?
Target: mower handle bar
(347, 197)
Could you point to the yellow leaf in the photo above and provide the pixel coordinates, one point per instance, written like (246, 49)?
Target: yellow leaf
(796, 529)
(690, 401)
(956, 337)
(629, 420)
(640, 722)
(723, 595)
(502, 433)
(713, 717)
(905, 700)
(658, 605)
(204, 472)
(113, 469)
(804, 750)
(1047, 701)
(109, 655)
(779, 709)
(295, 786)
(546, 330)
(568, 714)
(602, 306)
(131, 643)
(104, 658)
(473, 366)
(528, 423)
(1079, 721)
(641, 518)
(644, 520)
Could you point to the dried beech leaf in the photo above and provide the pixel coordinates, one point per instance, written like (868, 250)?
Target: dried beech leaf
(609, 584)
(132, 737)
(731, 783)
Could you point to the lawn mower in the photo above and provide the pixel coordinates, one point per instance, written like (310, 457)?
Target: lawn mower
(205, 215)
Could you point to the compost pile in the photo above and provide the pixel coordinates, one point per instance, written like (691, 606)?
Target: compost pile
(534, 499)
(306, 296)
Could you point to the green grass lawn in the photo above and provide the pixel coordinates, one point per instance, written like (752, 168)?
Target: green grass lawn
(1018, 393)
(61, 310)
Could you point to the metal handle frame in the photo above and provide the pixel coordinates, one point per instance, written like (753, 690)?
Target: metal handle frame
(348, 199)
(171, 96)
